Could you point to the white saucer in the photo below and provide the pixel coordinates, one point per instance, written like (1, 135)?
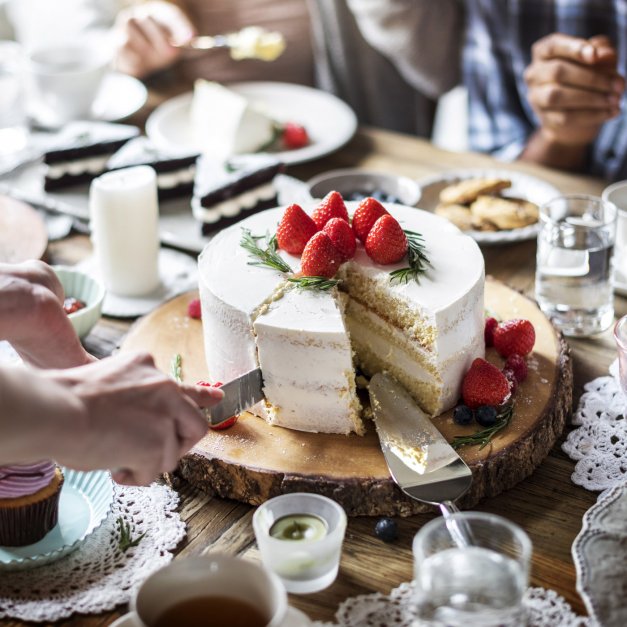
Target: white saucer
(294, 618)
(120, 95)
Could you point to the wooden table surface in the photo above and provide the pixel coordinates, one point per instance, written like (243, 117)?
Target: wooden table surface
(547, 505)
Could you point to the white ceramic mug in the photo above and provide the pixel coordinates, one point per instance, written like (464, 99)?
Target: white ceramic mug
(212, 575)
(66, 78)
(617, 194)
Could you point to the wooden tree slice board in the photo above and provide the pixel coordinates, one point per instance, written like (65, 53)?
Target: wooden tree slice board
(254, 461)
(23, 233)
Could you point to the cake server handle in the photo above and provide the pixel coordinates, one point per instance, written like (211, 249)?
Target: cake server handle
(459, 529)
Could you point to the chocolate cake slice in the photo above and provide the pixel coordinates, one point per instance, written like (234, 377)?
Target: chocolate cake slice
(175, 171)
(224, 193)
(81, 150)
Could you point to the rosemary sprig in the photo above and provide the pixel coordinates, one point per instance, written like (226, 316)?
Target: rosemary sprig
(267, 257)
(126, 540)
(176, 368)
(416, 258)
(484, 437)
(313, 282)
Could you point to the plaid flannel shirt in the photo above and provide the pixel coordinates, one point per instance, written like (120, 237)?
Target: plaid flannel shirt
(497, 49)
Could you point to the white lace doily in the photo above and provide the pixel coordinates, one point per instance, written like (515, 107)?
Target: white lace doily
(99, 575)
(599, 445)
(545, 608)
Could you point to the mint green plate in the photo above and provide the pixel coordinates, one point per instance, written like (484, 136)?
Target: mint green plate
(86, 499)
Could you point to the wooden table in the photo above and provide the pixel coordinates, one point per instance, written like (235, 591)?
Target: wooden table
(547, 505)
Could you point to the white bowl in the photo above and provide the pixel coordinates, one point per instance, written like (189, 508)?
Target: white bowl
(83, 287)
(354, 181)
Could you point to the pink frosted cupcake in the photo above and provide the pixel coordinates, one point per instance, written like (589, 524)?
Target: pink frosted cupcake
(29, 502)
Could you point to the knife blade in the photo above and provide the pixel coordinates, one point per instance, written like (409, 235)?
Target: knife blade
(423, 464)
(239, 394)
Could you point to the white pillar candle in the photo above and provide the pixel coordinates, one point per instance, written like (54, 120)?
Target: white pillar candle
(125, 230)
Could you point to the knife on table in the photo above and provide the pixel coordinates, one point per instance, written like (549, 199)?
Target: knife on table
(422, 463)
(239, 395)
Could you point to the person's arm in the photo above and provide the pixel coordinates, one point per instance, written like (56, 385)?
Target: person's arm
(422, 38)
(33, 320)
(119, 413)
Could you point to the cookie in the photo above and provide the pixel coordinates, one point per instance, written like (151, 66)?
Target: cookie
(459, 215)
(503, 213)
(469, 190)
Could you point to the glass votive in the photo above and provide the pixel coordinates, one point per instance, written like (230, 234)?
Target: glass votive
(300, 539)
(574, 269)
(620, 335)
(481, 585)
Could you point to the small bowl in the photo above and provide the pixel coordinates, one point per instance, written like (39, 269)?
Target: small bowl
(352, 182)
(82, 287)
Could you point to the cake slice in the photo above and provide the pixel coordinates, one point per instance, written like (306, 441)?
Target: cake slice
(175, 171)
(224, 193)
(81, 151)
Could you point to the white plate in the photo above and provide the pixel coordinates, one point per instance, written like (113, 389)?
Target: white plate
(329, 121)
(119, 96)
(600, 555)
(523, 186)
(85, 502)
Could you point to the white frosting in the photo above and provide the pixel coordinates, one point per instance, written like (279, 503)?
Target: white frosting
(233, 206)
(168, 180)
(301, 341)
(225, 123)
(91, 165)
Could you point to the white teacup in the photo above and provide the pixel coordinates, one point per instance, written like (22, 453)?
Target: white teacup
(617, 194)
(66, 79)
(216, 576)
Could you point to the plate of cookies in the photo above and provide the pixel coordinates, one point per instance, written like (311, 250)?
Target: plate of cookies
(492, 206)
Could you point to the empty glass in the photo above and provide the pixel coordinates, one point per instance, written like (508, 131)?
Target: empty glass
(13, 120)
(574, 271)
(476, 586)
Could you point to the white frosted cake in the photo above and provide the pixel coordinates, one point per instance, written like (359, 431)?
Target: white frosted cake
(425, 333)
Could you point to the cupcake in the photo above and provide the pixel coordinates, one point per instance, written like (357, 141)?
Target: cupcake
(29, 502)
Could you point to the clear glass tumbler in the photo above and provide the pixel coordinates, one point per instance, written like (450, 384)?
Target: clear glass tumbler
(574, 269)
(481, 585)
(307, 561)
(620, 335)
(13, 120)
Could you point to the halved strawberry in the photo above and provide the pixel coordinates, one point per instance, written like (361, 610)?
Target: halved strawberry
(342, 236)
(225, 424)
(367, 213)
(295, 230)
(386, 243)
(484, 384)
(320, 257)
(515, 336)
(331, 206)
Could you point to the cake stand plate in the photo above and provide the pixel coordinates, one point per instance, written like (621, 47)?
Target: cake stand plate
(253, 461)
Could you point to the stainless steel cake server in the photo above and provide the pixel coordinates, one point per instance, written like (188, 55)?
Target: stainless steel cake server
(422, 463)
(239, 394)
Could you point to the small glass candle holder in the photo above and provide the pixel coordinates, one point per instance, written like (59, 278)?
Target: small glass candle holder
(620, 335)
(300, 538)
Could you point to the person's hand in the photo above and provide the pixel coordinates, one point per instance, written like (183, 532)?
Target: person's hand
(146, 35)
(32, 317)
(573, 87)
(132, 418)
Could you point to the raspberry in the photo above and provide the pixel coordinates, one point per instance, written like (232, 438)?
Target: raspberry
(518, 365)
(193, 309)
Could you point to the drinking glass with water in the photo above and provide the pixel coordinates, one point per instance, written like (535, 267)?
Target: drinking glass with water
(473, 586)
(574, 269)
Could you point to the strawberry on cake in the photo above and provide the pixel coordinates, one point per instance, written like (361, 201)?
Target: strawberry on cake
(307, 293)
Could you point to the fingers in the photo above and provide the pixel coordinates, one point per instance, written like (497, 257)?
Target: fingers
(551, 96)
(203, 396)
(558, 45)
(565, 120)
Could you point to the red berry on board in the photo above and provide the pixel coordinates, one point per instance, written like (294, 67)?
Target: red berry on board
(193, 309)
(72, 305)
(386, 243)
(367, 213)
(295, 229)
(511, 379)
(320, 257)
(225, 424)
(295, 136)
(514, 336)
(342, 236)
(488, 333)
(518, 365)
(484, 384)
(331, 206)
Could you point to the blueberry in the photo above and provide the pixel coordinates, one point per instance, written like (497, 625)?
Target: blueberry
(386, 530)
(462, 415)
(485, 415)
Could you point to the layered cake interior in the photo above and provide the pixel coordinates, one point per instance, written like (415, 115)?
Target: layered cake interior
(426, 333)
